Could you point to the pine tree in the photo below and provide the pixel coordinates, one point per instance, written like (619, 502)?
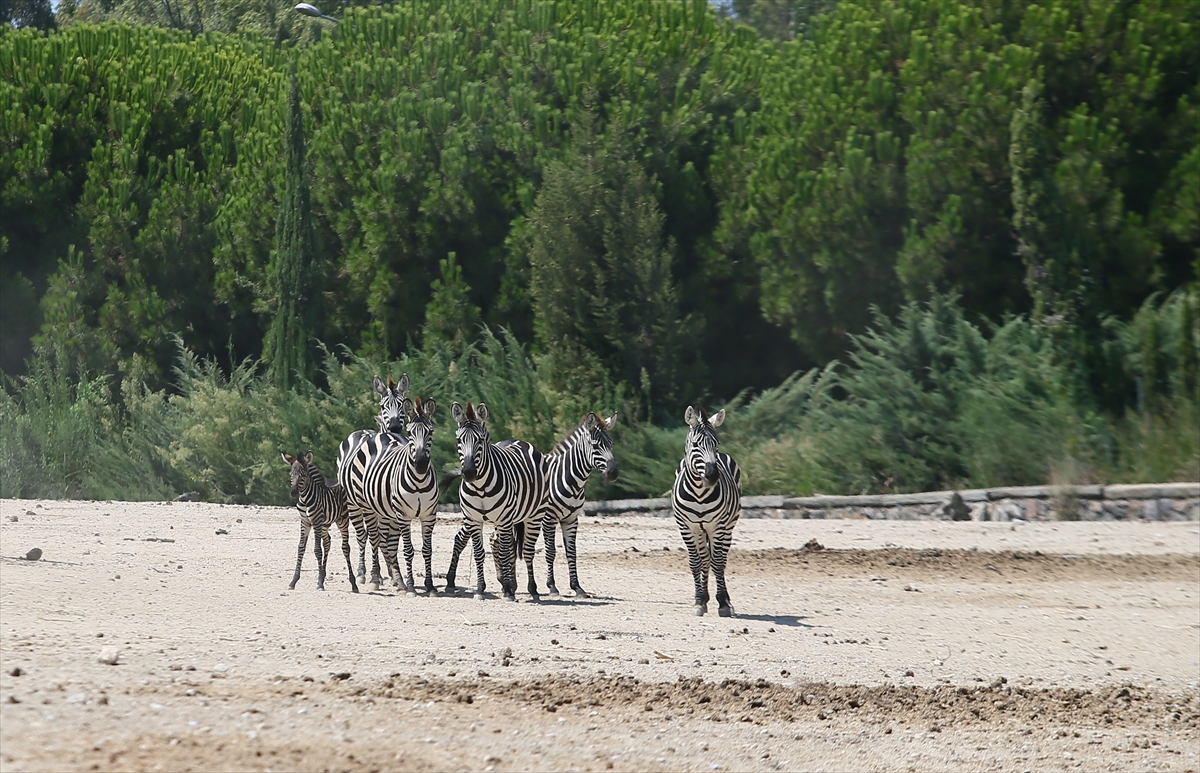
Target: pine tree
(604, 298)
(294, 271)
(450, 316)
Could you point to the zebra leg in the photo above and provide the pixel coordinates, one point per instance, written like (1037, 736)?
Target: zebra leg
(304, 528)
(344, 528)
(549, 524)
(321, 549)
(720, 553)
(570, 529)
(410, 588)
(378, 545)
(697, 546)
(460, 542)
(391, 555)
(360, 534)
(529, 537)
(477, 545)
(427, 553)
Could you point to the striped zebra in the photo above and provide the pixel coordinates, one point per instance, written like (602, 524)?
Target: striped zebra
(502, 483)
(390, 420)
(320, 504)
(707, 502)
(567, 469)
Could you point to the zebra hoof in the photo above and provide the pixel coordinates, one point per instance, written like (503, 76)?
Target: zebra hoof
(479, 597)
(412, 594)
(552, 591)
(725, 611)
(372, 586)
(580, 593)
(699, 610)
(362, 579)
(320, 587)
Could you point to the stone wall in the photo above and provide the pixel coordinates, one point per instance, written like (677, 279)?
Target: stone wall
(1153, 502)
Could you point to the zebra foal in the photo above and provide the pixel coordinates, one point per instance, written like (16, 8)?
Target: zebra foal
(707, 502)
(320, 504)
(568, 466)
(503, 484)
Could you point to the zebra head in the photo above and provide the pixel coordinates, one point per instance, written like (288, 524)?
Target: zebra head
(472, 435)
(700, 450)
(301, 475)
(391, 403)
(420, 430)
(596, 429)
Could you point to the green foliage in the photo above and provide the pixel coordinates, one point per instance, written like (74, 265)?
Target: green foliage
(904, 144)
(450, 316)
(604, 296)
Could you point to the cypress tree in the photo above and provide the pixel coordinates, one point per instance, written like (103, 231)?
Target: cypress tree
(294, 271)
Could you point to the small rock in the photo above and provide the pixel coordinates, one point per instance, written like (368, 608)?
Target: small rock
(554, 641)
(34, 555)
(16, 671)
(813, 545)
(341, 676)
(908, 673)
(109, 656)
(912, 588)
(643, 661)
(222, 531)
(667, 549)
(13, 518)
(13, 699)
(492, 759)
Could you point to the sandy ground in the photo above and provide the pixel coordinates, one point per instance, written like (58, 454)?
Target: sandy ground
(880, 646)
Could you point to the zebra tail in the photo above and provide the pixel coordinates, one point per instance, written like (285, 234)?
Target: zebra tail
(448, 478)
(519, 536)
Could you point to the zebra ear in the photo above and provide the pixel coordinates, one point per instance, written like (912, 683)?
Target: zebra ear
(402, 387)
(481, 412)
(589, 422)
(456, 411)
(379, 387)
(689, 416)
(408, 407)
(305, 457)
(429, 406)
(717, 418)
(287, 457)
(611, 422)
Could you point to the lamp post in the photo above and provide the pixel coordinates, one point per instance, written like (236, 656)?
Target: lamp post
(311, 10)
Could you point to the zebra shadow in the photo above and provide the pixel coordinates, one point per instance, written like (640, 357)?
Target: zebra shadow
(791, 621)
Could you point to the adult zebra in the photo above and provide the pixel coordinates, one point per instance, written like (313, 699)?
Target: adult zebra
(707, 502)
(390, 420)
(567, 469)
(320, 504)
(502, 483)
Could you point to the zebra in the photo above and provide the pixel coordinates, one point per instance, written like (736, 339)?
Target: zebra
(567, 469)
(707, 502)
(403, 488)
(390, 421)
(320, 504)
(503, 483)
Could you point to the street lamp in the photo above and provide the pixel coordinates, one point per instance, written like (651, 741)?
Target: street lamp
(311, 10)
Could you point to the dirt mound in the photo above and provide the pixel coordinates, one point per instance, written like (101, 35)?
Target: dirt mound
(905, 563)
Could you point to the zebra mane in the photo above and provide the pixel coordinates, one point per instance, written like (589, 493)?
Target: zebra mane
(470, 412)
(565, 444)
